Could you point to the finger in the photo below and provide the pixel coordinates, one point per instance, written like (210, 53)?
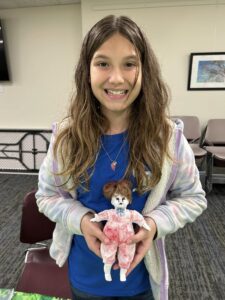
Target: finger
(138, 237)
(141, 250)
(102, 237)
(99, 234)
(94, 246)
(116, 266)
(137, 259)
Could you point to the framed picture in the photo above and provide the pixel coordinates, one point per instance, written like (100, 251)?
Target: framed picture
(207, 71)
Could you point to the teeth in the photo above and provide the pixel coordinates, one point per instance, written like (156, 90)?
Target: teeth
(117, 92)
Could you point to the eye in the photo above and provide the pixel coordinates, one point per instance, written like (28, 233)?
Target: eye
(117, 198)
(123, 198)
(102, 65)
(130, 65)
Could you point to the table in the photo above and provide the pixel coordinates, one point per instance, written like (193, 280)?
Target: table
(11, 294)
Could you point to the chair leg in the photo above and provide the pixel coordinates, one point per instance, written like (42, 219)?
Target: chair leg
(202, 171)
(209, 173)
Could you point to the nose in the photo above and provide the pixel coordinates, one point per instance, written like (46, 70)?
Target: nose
(116, 76)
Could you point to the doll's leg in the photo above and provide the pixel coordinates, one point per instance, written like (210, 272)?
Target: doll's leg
(125, 257)
(108, 253)
(107, 271)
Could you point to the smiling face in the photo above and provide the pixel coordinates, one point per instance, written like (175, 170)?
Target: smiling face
(119, 201)
(115, 75)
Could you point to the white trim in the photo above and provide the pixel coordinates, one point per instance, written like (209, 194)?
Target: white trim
(117, 5)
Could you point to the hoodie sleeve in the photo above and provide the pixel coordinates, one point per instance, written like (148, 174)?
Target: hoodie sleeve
(185, 199)
(53, 201)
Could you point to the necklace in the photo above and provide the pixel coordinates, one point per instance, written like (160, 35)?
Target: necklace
(113, 161)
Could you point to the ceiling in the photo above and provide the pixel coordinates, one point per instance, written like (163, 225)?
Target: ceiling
(6, 4)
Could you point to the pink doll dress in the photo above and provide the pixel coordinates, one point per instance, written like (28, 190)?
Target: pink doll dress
(119, 229)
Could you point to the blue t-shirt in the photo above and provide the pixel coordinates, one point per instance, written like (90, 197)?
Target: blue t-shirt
(85, 268)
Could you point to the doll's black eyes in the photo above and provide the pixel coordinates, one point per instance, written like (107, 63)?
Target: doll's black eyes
(117, 198)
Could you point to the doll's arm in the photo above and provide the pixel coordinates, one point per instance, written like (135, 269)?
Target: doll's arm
(137, 218)
(96, 218)
(102, 216)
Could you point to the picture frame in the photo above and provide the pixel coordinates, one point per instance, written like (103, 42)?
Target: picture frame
(206, 71)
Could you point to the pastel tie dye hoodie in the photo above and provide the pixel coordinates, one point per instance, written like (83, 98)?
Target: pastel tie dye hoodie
(177, 199)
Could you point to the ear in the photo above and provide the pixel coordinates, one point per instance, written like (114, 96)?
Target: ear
(109, 189)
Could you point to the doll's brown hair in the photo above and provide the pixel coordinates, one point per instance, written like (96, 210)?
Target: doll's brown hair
(122, 187)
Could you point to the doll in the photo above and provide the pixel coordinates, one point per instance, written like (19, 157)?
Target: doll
(119, 227)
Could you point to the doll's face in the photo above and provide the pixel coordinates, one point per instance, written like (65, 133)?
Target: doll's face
(119, 201)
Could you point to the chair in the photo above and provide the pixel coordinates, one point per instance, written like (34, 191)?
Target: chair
(192, 132)
(214, 142)
(40, 273)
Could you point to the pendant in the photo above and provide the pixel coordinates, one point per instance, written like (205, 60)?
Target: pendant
(113, 165)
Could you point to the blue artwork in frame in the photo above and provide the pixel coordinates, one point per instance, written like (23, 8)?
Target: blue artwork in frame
(207, 71)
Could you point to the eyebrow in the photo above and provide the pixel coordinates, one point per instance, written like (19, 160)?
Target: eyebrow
(101, 56)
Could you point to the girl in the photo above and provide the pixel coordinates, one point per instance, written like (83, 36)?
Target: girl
(117, 127)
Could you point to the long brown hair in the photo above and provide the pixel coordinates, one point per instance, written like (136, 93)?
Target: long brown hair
(77, 144)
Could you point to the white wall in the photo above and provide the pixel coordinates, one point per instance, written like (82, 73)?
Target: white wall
(43, 46)
(44, 43)
(175, 29)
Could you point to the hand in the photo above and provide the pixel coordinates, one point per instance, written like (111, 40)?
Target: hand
(93, 234)
(143, 239)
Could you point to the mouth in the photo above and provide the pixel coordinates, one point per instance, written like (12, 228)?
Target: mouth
(116, 92)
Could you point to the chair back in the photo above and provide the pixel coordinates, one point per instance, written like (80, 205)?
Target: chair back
(215, 132)
(35, 227)
(192, 129)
